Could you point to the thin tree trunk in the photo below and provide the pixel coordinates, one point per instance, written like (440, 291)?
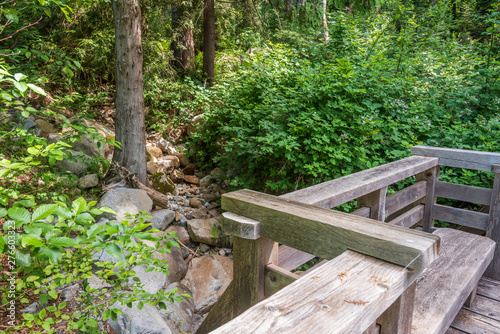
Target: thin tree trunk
(209, 41)
(183, 44)
(325, 24)
(129, 122)
(289, 5)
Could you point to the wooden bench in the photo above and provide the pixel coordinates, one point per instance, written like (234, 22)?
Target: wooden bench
(436, 296)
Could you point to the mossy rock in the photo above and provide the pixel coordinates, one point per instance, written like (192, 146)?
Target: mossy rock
(162, 183)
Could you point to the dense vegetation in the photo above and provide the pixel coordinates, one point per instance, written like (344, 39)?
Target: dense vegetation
(291, 106)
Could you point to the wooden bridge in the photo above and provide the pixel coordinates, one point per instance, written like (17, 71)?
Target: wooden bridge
(386, 269)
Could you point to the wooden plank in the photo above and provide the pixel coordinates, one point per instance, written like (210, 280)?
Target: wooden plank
(362, 212)
(346, 295)
(463, 193)
(335, 192)
(276, 278)
(249, 260)
(493, 229)
(410, 217)
(220, 313)
(471, 322)
(290, 258)
(452, 330)
(240, 226)
(471, 298)
(376, 202)
(373, 329)
(397, 319)
(457, 216)
(405, 197)
(495, 168)
(445, 285)
(431, 176)
(328, 233)
(485, 306)
(459, 158)
(489, 288)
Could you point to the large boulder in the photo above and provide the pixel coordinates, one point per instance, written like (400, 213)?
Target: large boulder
(135, 321)
(125, 200)
(163, 183)
(207, 278)
(179, 315)
(209, 231)
(76, 163)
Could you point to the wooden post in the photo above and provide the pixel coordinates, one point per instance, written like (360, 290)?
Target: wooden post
(249, 260)
(431, 176)
(397, 319)
(471, 298)
(376, 202)
(493, 228)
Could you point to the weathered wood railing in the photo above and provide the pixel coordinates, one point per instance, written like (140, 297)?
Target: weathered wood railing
(306, 227)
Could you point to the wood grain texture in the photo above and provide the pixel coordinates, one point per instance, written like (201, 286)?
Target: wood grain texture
(493, 229)
(410, 217)
(452, 330)
(405, 197)
(276, 278)
(335, 192)
(471, 298)
(495, 168)
(431, 176)
(463, 193)
(220, 313)
(471, 322)
(240, 226)
(328, 233)
(397, 319)
(290, 258)
(459, 158)
(376, 202)
(346, 295)
(458, 216)
(362, 212)
(485, 306)
(445, 285)
(489, 288)
(249, 260)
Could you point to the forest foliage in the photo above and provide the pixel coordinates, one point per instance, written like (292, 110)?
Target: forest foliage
(288, 108)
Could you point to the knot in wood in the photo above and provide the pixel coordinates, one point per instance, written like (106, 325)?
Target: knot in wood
(273, 278)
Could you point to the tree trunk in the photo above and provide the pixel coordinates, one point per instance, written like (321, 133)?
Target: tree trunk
(325, 24)
(289, 5)
(209, 41)
(129, 121)
(183, 44)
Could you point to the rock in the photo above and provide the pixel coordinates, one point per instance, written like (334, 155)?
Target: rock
(162, 183)
(45, 127)
(181, 232)
(189, 169)
(70, 293)
(201, 213)
(208, 278)
(89, 181)
(97, 283)
(173, 158)
(191, 179)
(135, 321)
(218, 174)
(53, 138)
(205, 181)
(208, 231)
(184, 160)
(168, 164)
(150, 157)
(177, 268)
(195, 122)
(200, 174)
(27, 123)
(195, 203)
(33, 308)
(171, 150)
(204, 248)
(179, 315)
(210, 196)
(152, 167)
(88, 146)
(182, 222)
(177, 175)
(76, 163)
(178, 216)
(163, 144)
(125, 200)
(185, 252)
(161, 219)
(154, 151)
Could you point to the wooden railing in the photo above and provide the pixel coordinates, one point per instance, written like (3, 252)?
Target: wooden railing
(304, 225)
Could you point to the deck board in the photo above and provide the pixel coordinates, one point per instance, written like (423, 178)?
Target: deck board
(484, 314)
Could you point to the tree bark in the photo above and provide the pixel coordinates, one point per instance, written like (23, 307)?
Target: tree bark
(325, 24)
(183, 44)
(130, 127)
(209, 41)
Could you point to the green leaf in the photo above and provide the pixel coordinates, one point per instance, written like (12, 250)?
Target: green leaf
(2, 244)
(23, 258)
(28, 316)
(78, 205)
(63, 242)
(61, 306)
(19, 215)
(3, 212)
(140, 305)
(54, 254)
(43, 312)
(91, 322)
(4, 172)
(53, 294)
(108, 210)
(114, 251)
(43, 211)
(37, 89)
(132, 259)
(21, 86)
(18, 76)
(106, 314)
(31, 240)
(84, 218)
(32, 278)
(93, 230)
